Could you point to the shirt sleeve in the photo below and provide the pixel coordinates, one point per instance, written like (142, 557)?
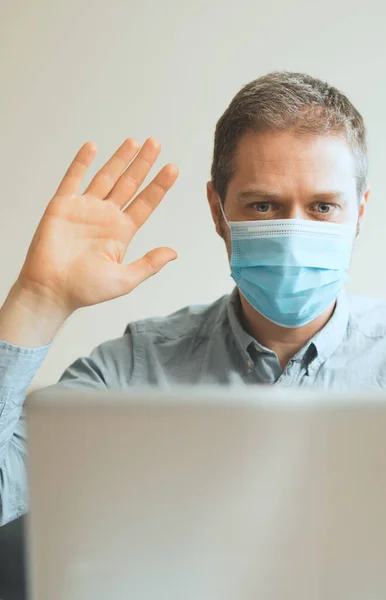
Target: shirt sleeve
(109, 365)
(17, 368)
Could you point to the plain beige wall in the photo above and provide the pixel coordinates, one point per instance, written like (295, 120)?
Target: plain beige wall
(104, 70)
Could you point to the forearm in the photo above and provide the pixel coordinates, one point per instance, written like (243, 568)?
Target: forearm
(18, 366)
(13, 473)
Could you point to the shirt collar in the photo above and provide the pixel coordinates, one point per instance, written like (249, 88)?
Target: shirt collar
(321, 346)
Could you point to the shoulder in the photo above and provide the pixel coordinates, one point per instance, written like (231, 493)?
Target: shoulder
(192, 320)
(112, 361)
(367, 315)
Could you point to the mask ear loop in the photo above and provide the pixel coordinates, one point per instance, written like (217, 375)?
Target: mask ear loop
(223, 214)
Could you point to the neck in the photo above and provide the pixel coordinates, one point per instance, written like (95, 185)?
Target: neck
(283, 341)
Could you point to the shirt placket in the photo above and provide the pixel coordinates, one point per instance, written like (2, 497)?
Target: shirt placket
(291, 374)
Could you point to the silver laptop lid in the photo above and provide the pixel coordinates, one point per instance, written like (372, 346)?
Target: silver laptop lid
(207, 494)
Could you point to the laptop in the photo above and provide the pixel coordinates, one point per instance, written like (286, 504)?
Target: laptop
(207, 494)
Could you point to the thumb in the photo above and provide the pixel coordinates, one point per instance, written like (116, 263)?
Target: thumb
(133, 274)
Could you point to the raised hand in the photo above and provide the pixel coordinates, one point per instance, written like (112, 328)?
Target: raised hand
(76, 255)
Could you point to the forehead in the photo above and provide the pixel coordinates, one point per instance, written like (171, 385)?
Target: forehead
(287, 159)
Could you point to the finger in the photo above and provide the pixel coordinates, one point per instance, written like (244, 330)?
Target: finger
(71, 182)
(147, 201)
(129, 182)
(132, 275)
(108, 175)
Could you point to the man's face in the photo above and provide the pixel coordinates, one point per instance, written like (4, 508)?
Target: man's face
(284, 176)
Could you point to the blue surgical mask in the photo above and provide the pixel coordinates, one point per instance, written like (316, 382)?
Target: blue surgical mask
(290, 270)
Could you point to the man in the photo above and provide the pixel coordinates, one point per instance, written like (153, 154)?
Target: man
(288, 195)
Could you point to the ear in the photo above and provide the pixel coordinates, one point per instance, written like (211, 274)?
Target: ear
(362, 210)
(214, 204)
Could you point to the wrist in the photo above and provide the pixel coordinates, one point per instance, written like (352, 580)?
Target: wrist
(38, 302)
(29, 318)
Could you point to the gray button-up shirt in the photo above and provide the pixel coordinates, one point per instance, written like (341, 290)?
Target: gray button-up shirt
(196, 345)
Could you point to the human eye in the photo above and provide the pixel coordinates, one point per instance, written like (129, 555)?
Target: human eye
(261, 210)
(262, 207)
(325, 209)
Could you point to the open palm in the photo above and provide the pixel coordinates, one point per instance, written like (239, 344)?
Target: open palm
(76, 255)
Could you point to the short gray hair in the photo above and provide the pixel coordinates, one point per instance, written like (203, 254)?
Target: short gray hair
(282, 101)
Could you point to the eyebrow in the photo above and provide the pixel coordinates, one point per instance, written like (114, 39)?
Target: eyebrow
(274, 195)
